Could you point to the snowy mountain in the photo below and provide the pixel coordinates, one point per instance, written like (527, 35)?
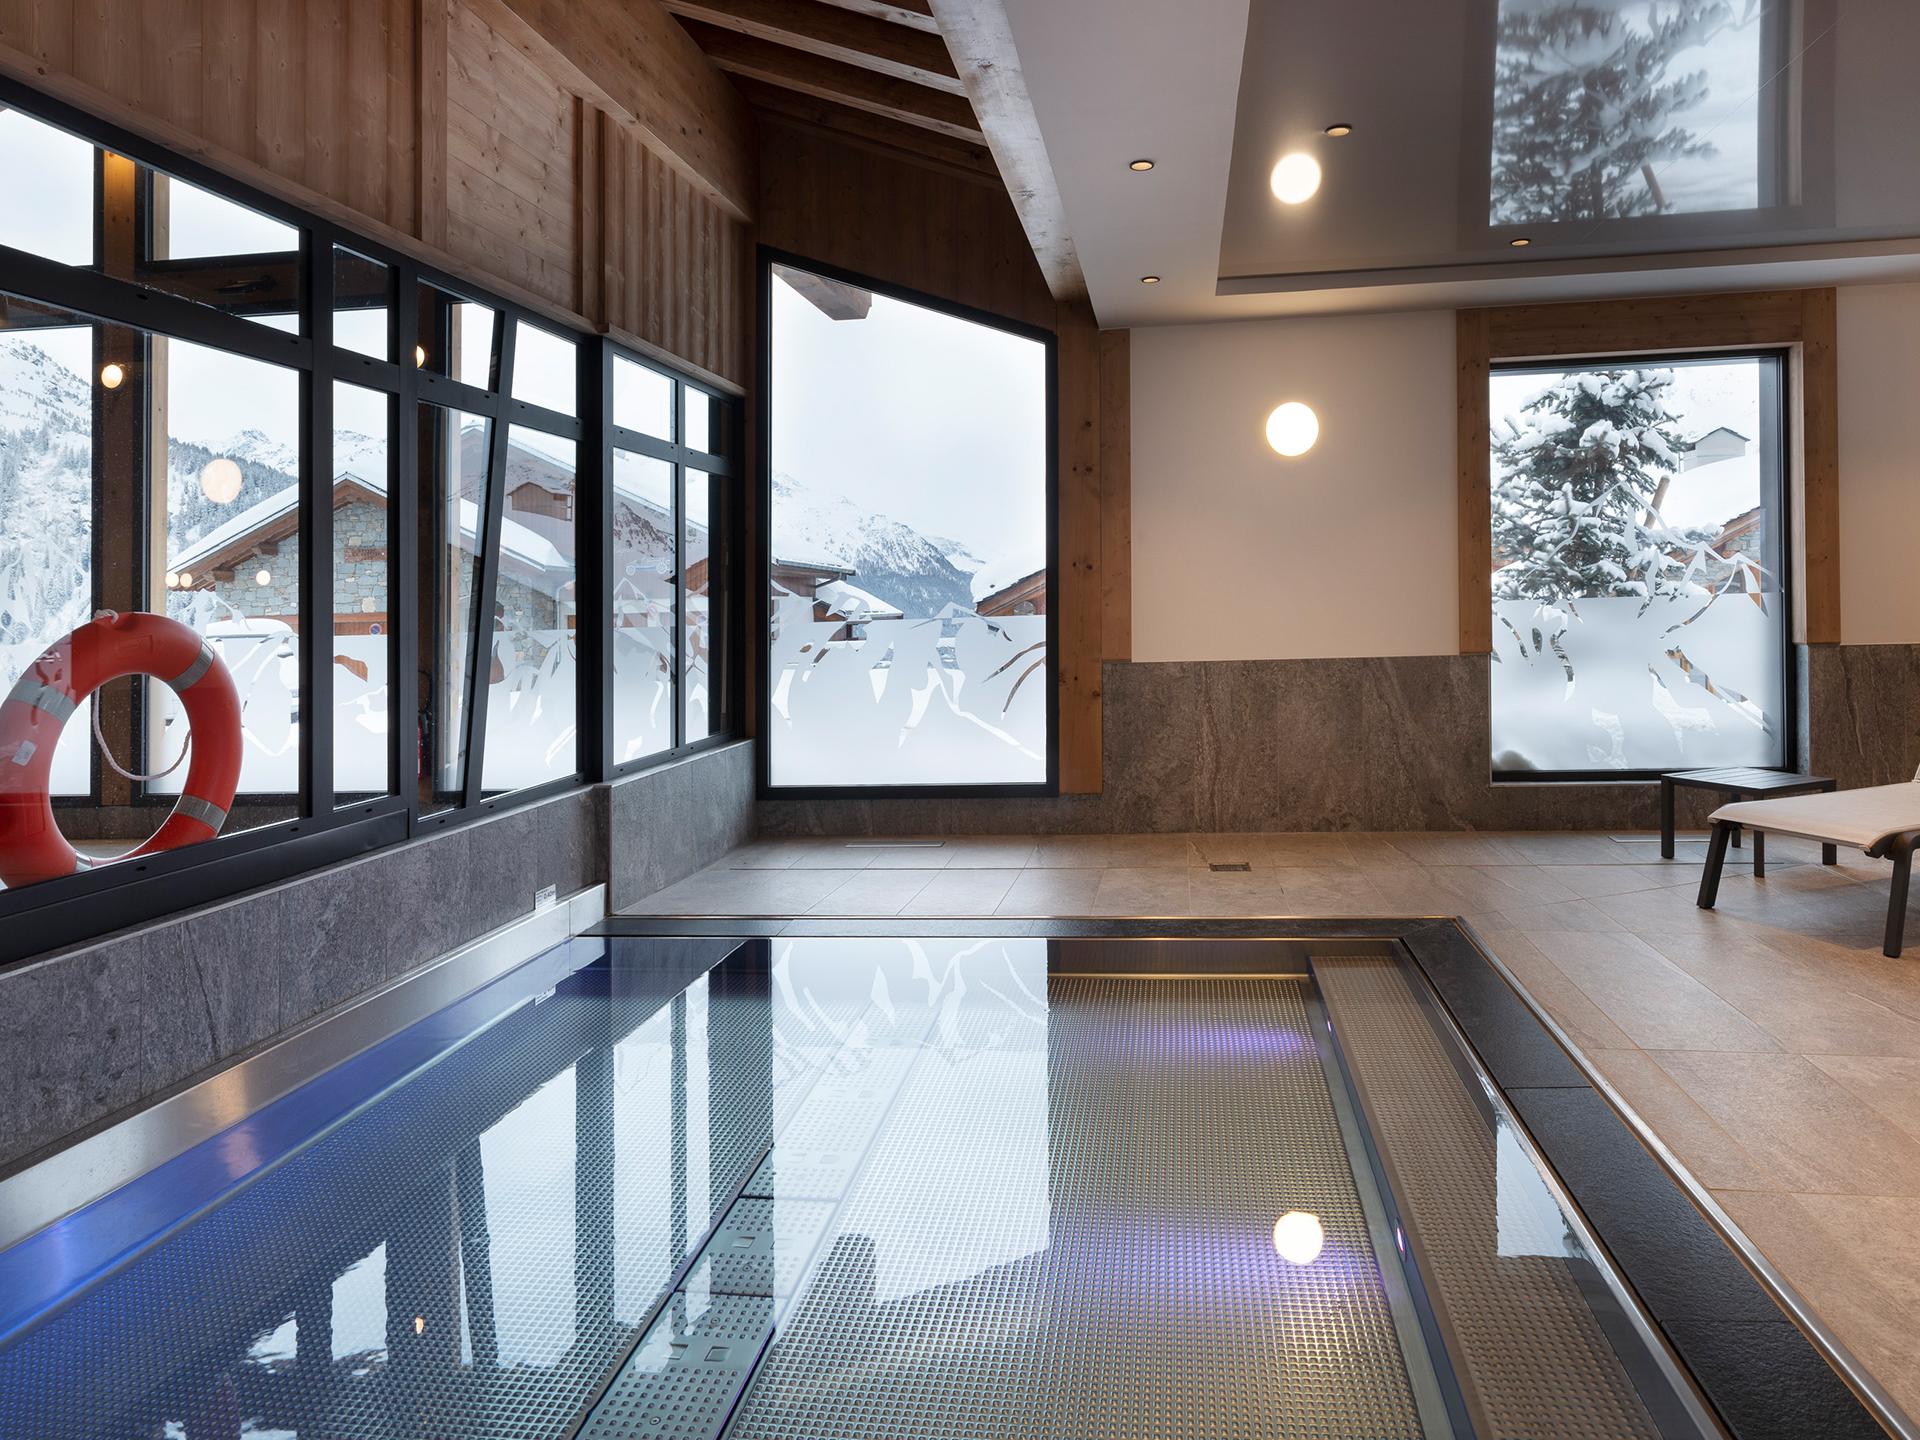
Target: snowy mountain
(892, 561)
(46, 502)
(958, 554)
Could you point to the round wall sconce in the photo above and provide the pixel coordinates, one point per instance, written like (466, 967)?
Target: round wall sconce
(112, 375)
(1292, 428)
(1295, 178)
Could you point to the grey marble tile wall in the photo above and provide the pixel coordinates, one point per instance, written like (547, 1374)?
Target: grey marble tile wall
(1363, 744)
(665, 824)
(91, 1030)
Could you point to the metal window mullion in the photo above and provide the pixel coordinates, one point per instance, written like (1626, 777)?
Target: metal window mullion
(595, 630)
(488, 581)
(316, 542)
(404, 719)
(680, 572)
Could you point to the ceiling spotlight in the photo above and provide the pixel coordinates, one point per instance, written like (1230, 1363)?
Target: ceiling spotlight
(1338, 129)
(1149, 279)
(112, 374)
(1295, 178)
(1519, 242)
(1292, 428)
(1140, 164)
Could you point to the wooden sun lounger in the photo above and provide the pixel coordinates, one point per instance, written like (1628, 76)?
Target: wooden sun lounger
(1882, 820)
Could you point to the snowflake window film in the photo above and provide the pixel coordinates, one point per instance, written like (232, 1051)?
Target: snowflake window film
(908, 549)
(1638, 603)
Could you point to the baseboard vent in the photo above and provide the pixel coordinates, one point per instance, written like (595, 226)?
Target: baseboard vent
(1236, 866)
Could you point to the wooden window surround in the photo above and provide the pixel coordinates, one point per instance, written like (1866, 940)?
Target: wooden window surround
(1798, 322)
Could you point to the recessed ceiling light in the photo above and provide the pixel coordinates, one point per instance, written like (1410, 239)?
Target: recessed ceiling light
(1292, 428)
(1519, 242)
(1140, 164)
(1338, 129)
(1295, 178)
(1149, 279)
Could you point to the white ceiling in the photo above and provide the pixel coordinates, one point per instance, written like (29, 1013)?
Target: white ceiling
(1112, 80)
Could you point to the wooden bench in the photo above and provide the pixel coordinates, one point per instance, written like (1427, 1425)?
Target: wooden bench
(1741, 782)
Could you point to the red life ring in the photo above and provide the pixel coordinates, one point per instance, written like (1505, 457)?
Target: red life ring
(37, 708)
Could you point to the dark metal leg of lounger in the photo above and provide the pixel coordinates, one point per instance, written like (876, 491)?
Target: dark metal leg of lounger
(1759, 855)
(1716, 858)
(1902, 852)
(1829, 854)
(1666, 818)
(1736, 837)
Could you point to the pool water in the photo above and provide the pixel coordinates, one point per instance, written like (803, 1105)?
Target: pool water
(857, 1187)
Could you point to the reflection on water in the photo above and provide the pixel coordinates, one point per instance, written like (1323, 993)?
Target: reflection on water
(955, 1188)
(1604, 109)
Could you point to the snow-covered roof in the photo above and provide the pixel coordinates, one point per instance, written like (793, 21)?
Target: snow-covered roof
(1708, 496)
(855, 603)
(996, 575)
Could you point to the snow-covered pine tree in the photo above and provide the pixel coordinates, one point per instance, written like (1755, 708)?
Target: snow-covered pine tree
(1578, 474)
(1585, 101)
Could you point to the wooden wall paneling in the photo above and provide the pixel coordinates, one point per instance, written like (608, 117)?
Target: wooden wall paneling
(1473, 456)
(1799, 322)
(1080, 599)
(1816, 518)
(1116, 495)
(635, 61)
(430, 122)
(589, 198)
(231, 76)
(325, 68)
(280, 112)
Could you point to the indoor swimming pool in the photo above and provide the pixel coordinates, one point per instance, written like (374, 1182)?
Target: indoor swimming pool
(895, 1186)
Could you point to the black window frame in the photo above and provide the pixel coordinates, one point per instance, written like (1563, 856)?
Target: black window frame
(1777, 483)
(72, 909)
(766, 258)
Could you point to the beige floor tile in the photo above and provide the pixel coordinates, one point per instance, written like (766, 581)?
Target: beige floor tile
(1044, 891)
(1653, 1000)
(766, 855)
(1586, 1023)
(991, 852)
(1257, 892)
(1070, 852)
(1710, 1154)
(1890, 1084)
(1577, 915)
(1804, 1008)
(915, 856)
(873, 892)
(1226, 848)
(1444, 847)
(1145, 891)
(1806, 1131)
(725, 891)
(833, 855)
(1592, 882)
(962, 890)
(1135, 852)
(1311, 890)
(1312, 850)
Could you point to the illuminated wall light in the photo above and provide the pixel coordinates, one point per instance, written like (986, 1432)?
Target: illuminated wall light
(220, 481)
(1295, 178)
(1142, 164)
(1519, 242)
(1292, 428)
(1338, 130)
(111, 375)
(1299, 1237)
(1149, 279)
(263, 577)
(186, 579)
(173, 580)
(419, 356)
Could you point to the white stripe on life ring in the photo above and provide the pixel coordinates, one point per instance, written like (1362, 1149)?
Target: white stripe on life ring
(48, 699)
(205, 811)
(190, 676)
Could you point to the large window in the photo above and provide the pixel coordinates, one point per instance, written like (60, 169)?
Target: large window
(1639, 605)
(908, 544)
(377, 501)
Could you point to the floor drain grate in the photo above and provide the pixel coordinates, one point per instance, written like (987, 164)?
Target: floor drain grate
(1237, 866)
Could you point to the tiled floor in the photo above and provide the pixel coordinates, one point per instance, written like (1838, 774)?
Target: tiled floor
(1771, 1046)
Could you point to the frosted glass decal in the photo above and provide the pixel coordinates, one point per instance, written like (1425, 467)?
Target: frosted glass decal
(698, 701)
(1637, 612)
(643, 615)
(907, 578)
(362, 619)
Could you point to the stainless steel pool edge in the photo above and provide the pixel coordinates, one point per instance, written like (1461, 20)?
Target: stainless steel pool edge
(104, 1159)
(1882, 1405)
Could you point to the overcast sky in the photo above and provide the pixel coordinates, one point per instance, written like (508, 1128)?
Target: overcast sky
(933, 421)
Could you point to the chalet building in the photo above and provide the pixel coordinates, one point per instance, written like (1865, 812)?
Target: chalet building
(1025, 596)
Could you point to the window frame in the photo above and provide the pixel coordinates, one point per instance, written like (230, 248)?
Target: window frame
(760, 601)
(680, 458)
(76, 908)
(1777, 499)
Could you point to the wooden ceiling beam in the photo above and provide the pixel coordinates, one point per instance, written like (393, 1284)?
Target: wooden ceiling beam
(834, 33)
(825, 79)
(980, 39)
(866, 128)
(916, 14)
